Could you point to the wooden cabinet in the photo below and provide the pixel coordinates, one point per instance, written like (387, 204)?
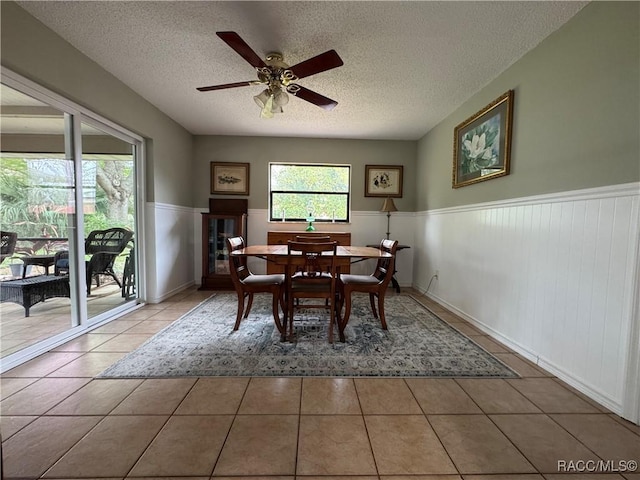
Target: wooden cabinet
(226, 218)
(281, 238)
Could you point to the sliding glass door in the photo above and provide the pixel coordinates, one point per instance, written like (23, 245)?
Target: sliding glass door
(109, 209)
(71, 193)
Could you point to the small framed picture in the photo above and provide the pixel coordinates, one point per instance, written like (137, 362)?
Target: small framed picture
(383, 181)
(230, 178)
(482, 143)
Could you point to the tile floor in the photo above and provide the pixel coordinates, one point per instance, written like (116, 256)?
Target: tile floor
(59, 423)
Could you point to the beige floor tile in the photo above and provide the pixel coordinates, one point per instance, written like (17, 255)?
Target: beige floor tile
(117, 326)
(165, 316)
(601, 408)
(260, 445)
(496, 396)
(186, 445)
(125, 342)
(110, 449)
(542, 441)
(476, 445)
(277, 396)
(334, 445)
(602, 434)
(214, 396)
(156, 396)
(521, 366)
(88, 365)
(406, 445)
(149, 326)
(258, 477)
(550, 396)
(85, 343)
(33, 449)
(385, 396)
(441, 396)
(526, 476)
(626, 423)
(41, 396)
(43, 365)
(421, 477)
(329, 396)
(490, 345)
(11, 425)
(140, 314)
(631, 476)
(585, 476)
(98, 397)
(468, 330)
(9, 386)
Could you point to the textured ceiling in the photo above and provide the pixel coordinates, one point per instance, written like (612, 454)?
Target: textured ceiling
(407, 65)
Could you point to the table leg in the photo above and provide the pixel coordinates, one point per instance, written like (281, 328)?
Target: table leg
(395, 284)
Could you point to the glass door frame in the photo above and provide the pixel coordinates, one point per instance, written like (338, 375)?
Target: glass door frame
(75, 115)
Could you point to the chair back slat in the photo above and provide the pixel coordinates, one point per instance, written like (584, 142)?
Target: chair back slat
(386, 266)
(112, 240)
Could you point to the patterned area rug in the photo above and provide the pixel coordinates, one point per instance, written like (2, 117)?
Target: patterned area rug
(202, 343)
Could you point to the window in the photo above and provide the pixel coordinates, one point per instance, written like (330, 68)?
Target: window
(298, 191)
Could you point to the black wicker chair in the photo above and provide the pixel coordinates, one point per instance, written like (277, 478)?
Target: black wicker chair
(7, 244)
(104, 246)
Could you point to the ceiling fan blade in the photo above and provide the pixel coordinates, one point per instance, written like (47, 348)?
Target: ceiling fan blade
(319, 63)
(240, 46)
(228, 85)
(311, 96)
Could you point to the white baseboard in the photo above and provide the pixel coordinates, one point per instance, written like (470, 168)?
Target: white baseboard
(577, 383)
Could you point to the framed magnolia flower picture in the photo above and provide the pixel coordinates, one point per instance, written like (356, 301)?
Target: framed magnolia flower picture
(482, 143)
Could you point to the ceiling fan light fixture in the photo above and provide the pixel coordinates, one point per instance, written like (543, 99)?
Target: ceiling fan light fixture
(280, 98)
(262, 97)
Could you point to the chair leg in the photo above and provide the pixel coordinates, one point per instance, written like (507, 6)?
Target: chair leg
(240, 310)
(249, 305)
(381, 309)
(276, 316)
(373, 304)
(332, 317)
(338, 310)
(347, 308)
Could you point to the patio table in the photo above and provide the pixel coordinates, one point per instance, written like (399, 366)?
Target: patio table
(31, 290)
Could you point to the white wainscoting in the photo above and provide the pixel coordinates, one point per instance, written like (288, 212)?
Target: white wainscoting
(365, 227)
(552, 276)
(169, 263)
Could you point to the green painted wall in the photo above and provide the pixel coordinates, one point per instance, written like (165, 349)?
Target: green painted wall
(576, 115)
(259, 151)
(34, 51)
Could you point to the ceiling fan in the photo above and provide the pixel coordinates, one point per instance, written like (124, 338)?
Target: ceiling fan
(278, 77)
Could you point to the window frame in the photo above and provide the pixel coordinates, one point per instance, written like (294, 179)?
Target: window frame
(347, 194)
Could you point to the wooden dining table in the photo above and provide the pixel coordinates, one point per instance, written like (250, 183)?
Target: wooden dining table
(345, 255)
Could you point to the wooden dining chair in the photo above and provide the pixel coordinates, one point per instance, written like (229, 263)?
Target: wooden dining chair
(311, 273)
(313, 239)
(375, 284)
(247, 283)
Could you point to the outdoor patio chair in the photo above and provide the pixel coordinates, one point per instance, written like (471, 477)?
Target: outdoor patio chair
(247, 283)
(311, 274)
(375, 284)
(104, 246)
(7, 244)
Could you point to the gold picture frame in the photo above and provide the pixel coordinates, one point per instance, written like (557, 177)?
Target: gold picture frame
(230, 178)
(383, 181)
(482, 143)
